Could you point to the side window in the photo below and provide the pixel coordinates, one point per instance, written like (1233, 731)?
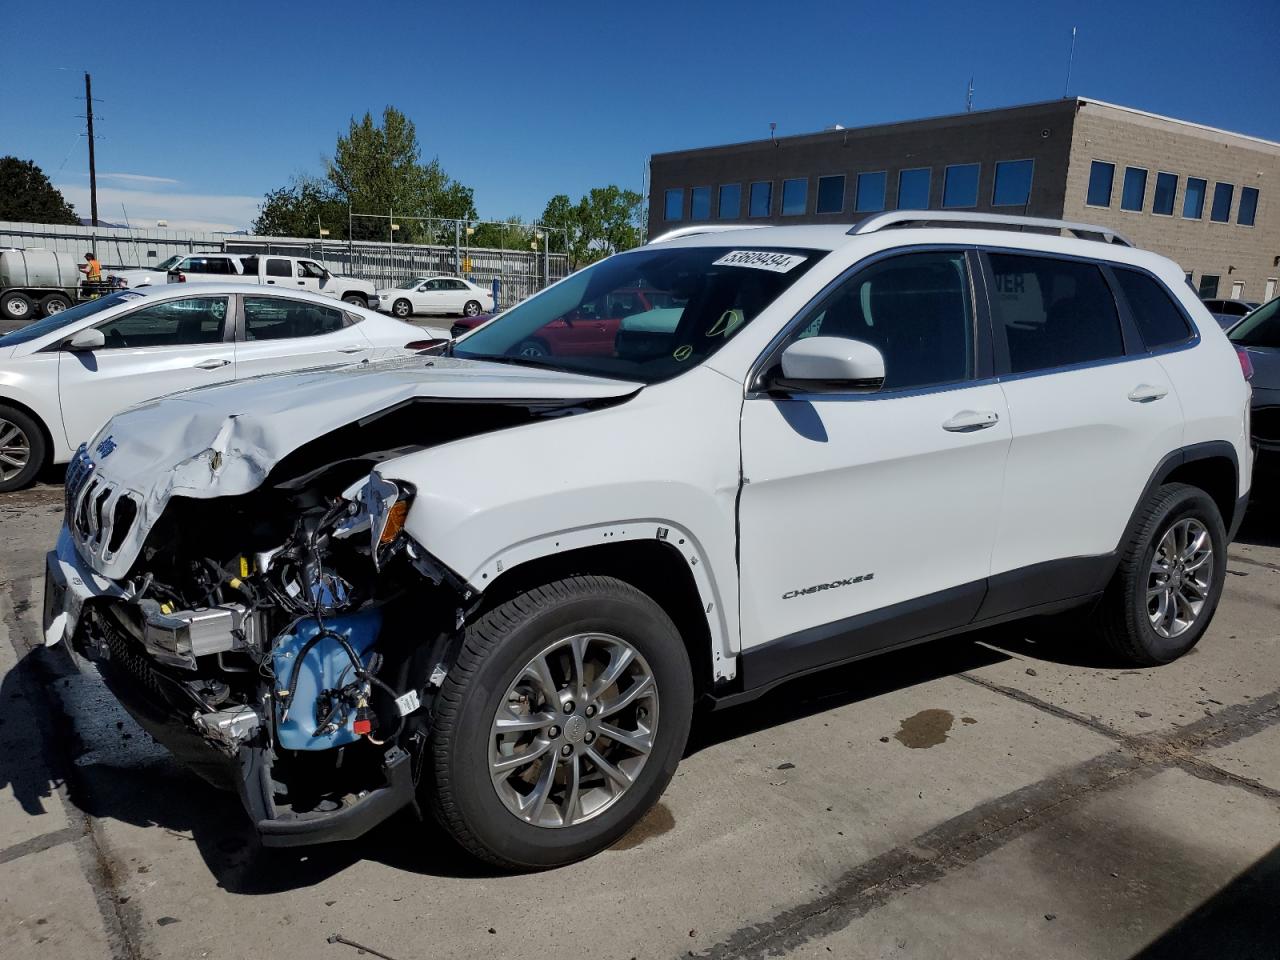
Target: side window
(457, 285)
(271, 318)
(435, 285)
(249, 266)
(1158, 318)
(169, 324)
(1261, 328)
(1053, 312)
(219, 265)
(279, 268)
(915, 308)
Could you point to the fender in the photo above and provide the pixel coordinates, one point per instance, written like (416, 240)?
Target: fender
(724, 639)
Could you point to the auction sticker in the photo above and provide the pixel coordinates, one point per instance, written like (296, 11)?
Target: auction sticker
(761, 260)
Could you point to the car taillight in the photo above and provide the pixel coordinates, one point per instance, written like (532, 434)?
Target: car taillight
(423, 344)
(1246, 365)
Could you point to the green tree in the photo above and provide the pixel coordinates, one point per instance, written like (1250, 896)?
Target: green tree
(300, 209)
(378, 169)
(602, 222)
(27, 195)
(509, 234)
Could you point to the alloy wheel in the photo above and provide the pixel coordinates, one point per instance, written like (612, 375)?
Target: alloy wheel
(15, 450)
(573, 730)
(1179, 581)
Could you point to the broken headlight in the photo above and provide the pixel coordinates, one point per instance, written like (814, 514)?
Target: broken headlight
(381, 508)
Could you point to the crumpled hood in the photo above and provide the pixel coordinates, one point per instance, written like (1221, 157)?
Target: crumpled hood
(222, 440)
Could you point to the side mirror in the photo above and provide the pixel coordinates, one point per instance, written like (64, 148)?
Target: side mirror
(90, 338)
(325, 274)
(829, 365)
(423, 288)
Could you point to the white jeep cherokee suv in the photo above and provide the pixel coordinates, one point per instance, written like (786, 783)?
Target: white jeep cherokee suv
(500, 583)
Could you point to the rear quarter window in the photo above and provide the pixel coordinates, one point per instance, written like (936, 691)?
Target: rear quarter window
(1155, 314)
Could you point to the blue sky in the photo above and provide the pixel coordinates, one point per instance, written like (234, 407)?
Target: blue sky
(204, 111)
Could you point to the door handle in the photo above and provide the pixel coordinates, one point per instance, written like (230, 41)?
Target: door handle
(211, 364)
(967, 421)
(1146, 393)
(271, 281)
(351, 349)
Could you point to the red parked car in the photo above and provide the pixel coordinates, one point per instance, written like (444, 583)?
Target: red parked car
(588, 331)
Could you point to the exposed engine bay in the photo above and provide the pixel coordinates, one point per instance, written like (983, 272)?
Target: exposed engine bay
(287, 642)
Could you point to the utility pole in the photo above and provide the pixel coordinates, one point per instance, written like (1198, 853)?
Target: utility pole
(93, 171)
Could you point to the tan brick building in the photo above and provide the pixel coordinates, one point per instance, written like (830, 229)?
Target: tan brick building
(1206, 198)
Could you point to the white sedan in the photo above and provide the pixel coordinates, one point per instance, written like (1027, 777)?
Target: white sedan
(436, 295)
(63, 377)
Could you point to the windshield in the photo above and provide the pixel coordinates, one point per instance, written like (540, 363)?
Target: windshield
(409, 284)
(1260, 328)
(34, 331)
(167, 264)
(647, 315)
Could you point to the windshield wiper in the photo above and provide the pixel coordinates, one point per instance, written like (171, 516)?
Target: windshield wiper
(515, 360)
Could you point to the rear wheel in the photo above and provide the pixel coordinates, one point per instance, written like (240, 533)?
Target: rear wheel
(561, 722)
(1169, 581)
(402, 309)
(54, 303)
(17, 306)
(22, 449)
(472, 308)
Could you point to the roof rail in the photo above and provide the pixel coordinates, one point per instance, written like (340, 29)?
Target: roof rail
(897, 218)
(705, 228)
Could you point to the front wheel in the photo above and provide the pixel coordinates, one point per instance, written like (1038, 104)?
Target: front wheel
(355, 300)
(22, 449)
(561, 722)
(472, 308)
(1169, 580)
(17, 306)
(402, 309)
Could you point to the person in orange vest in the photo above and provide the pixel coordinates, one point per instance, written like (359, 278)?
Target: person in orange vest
(91, 269)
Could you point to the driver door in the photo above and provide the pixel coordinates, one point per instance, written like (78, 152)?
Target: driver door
(868, 518)
(152, 351)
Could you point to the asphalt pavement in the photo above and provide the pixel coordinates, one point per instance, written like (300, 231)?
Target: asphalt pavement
(1006, 794)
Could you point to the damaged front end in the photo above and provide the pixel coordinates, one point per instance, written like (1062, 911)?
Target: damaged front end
(283, 644)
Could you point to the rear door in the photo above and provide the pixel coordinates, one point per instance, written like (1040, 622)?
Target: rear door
(278, 333)
(278, 272)
(1092, 413)
(154, 350)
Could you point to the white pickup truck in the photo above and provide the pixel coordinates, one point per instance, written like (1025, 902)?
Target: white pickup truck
(291, 273)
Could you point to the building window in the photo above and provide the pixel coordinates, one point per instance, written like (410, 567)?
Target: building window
(1166, 190)
(700, 203)
(960, 185)
(795, 197)
(1193, 201)
(1013, 183)
(870, 198)
(675, 204)
(761, 198)
(1223, 193)
(831, 194)
(1134, 190)
(1101, 175)
(1208, 286)
(1248, 206)
(730, 201)
(913, 189)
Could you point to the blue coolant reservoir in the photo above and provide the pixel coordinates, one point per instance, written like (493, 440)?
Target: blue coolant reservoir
(326, 666)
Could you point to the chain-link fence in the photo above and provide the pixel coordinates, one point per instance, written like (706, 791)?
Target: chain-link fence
(520, 273)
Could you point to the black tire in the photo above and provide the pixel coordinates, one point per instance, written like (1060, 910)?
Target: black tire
(17, 307)
(472, 308)
(494, 651)
(532, 347)
(54, 303)
(31, 438)
(356, 300)
(1122, 618)
(402, 309)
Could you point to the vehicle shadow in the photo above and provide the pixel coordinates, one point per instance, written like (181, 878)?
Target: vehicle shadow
(1238, 921)
(1261, 527)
